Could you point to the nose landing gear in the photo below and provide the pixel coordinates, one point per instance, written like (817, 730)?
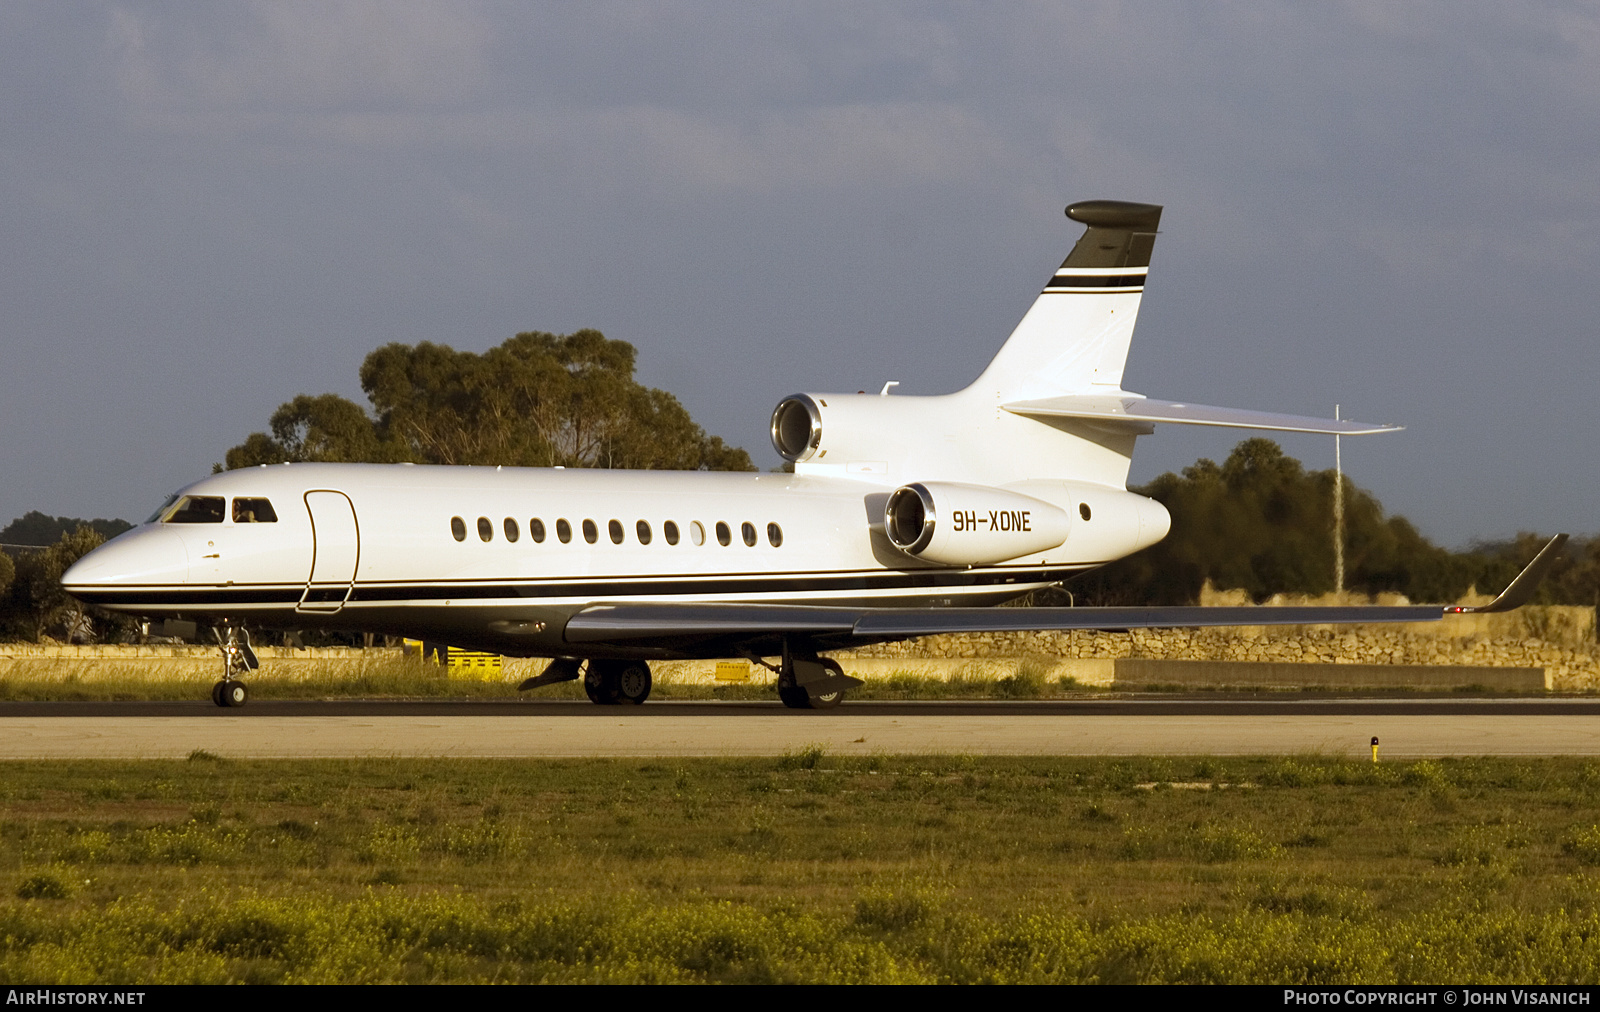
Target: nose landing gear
(237, 658)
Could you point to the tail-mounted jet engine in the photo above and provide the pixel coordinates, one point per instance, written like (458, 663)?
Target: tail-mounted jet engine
(971, 525)
(796, 427)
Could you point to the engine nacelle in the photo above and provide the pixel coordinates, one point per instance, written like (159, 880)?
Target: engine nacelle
(971, 525)
(796, 427)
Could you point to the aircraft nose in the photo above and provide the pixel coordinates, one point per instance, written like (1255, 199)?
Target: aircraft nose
(142, 557)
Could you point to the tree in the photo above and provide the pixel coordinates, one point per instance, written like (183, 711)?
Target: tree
(537, 400)
(1261, 523)
(35, 528)
(38, 604)
(325, 427)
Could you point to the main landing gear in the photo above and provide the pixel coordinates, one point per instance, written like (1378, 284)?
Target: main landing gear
(605, 682)
(237, 658)
(611, 682)
(805, 681)
(809, 682)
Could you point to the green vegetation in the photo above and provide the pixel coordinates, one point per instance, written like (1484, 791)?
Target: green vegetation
(535, 401)
(382, 677)
(1262, 523)
(43, 530)
(32, 601)
(808, 867)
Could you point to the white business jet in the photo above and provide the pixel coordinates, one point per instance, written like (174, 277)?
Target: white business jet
(904, 517)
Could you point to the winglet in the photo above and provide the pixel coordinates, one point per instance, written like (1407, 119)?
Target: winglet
(1521, 590)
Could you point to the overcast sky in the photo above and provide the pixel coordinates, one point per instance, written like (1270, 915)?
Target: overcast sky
(208, 209)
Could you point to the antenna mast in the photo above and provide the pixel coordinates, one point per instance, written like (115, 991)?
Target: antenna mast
(1338, 512)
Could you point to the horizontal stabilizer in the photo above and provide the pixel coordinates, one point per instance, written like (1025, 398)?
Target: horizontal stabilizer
(1141, 412)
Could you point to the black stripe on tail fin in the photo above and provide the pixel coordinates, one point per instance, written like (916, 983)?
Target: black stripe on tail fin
(1120, 234)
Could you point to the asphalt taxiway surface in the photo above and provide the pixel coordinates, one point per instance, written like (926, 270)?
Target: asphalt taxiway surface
(558, 728)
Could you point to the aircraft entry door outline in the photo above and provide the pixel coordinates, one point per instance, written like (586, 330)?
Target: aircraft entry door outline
(335, 551)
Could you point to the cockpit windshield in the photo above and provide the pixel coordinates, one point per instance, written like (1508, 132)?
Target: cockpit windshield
(195, 509)
(254, 511)
(162, 511)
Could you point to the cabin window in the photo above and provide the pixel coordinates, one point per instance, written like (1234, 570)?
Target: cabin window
(724, 535)
(536, 530)
(563, 530)
(511, 529)
(591, 533)
(614, 528)
(458, 527)
(642, 528)
(669, 530)
(196, 509)
(774, 535)
(747, 530)
(253, 511)
(1083, 510)
(697, 534)
(485, 529)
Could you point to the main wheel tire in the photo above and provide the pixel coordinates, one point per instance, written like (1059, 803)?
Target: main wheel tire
(234, 694)
(600, 683)
(216, 694)
(794, 697)
(828, 700)
(633, 682)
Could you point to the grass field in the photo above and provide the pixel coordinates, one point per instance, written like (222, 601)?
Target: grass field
(395, 678)
(70, 680)
(805, 868)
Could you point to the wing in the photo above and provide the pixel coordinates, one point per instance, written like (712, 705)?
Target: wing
(703, 626)
(1131, 410)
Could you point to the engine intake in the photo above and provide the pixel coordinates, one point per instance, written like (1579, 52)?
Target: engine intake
(971, 525)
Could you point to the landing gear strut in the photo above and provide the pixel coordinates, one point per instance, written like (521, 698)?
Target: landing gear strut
(237, 658)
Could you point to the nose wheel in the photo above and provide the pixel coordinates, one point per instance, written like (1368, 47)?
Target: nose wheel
(237, 658)
(230, 693)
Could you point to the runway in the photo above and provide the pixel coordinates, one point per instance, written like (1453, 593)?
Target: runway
(1407, 728)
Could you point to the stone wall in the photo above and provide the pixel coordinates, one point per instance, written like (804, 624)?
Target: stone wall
(1570, 657)
(1558, 639)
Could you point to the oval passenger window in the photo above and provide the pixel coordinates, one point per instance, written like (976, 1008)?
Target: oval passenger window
(614, 528)
(485, 529)
(747, 530)
(643, 530)
(774, 535)
(724, 536)
(1083, 510)
(697, 533)
(591, 533)
(669, 530)
(511, 529)
(458, 527)
(563, 530)
(536, 530)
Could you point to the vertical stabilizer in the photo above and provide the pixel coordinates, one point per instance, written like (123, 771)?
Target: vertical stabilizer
(1075, 338)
